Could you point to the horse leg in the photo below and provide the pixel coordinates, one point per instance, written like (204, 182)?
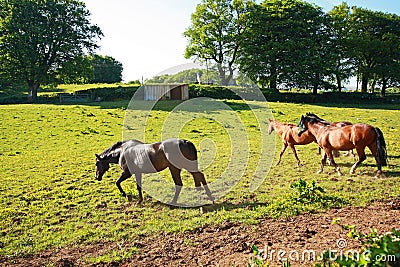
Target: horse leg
(336, 153)
(138, 177)
(295, 154)
(176, 176)
(332, 160)
(361, 158)
(199, 178)
(125, 175)
(280, 154)
(323, 162)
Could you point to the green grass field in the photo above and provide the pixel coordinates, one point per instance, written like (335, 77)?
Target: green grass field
(50, 199)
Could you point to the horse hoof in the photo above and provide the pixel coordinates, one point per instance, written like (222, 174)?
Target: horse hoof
(129, 197)
(380, 175)
(319, 172)
(339, 174)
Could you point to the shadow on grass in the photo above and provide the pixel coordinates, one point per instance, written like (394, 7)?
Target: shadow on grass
(229, 206)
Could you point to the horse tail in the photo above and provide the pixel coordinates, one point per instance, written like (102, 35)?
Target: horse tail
(188, 149)
(381, 154)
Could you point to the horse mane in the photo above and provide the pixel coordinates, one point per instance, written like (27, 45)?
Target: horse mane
(313, 118)
(111, 149)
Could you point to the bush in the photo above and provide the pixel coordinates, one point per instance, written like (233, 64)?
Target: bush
(212, 91)
(110, 94)
(378, 249)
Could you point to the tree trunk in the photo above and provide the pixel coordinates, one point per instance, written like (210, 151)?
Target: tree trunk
(384, 86)
(364, 83)
(33, 89)
(273, 84)
(373, 84)
(222, 77)
(316, 82)
(339, 83)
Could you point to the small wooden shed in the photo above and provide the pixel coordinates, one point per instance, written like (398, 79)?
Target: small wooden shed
(166, 91)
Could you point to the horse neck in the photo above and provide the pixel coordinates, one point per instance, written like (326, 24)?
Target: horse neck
(112, 157)
(314, 128)
(280, 128)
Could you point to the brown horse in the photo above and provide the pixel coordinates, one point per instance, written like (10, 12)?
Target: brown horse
(135, 157)
(347, 137)
(338, 124)
(289, 134)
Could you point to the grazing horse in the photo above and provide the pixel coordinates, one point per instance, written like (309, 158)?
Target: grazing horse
(347, 137)
(136, 158)
(289, 134)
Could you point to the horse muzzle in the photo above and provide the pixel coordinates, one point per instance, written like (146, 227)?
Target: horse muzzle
(98, 177)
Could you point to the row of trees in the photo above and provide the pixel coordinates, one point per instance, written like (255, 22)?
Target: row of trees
(49, 41)
(291, 43)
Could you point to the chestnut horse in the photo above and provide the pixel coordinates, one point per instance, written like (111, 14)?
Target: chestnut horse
(338, 124)
(289, 134)
(135, 157)
(347, 137)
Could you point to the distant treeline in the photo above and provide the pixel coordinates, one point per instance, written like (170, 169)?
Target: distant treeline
(295, 44)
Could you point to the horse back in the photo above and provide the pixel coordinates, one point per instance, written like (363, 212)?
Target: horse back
(347, 137)
(143, 158)
(180, 153)
(363, 134)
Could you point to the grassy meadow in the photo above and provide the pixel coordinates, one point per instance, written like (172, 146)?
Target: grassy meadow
(50, 199)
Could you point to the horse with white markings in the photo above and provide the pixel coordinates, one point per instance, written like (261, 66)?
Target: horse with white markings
(137, 158)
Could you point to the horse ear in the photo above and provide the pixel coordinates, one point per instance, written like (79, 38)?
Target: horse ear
(302, 116)
(97, 156)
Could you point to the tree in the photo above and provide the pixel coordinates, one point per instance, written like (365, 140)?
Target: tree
(286, 44)
(105, 69)
(42, 40)
(375, 44)
(216, 33)
(388, 65)
(187, 76)
(343, 65)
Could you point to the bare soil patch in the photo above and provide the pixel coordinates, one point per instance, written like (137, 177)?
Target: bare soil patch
(230, 244)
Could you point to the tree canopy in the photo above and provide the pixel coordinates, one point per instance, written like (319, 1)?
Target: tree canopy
(42, 41)
(216, 33)
(292, 43)
(105, 69)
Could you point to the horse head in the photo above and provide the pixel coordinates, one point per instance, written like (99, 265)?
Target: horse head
(302, 127)
(271, 126)
(101, 167)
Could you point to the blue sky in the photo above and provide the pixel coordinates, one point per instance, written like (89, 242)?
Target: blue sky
(147, 36)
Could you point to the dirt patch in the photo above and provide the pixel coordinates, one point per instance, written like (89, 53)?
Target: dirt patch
(230, 244)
